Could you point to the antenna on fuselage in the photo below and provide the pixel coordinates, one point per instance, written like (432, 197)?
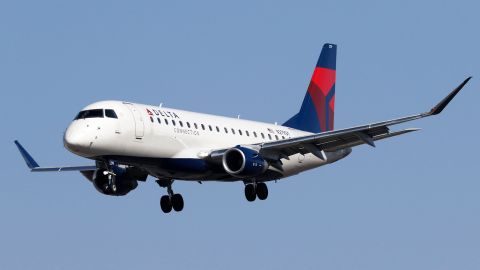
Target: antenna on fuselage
(238, 116)
(160, 106)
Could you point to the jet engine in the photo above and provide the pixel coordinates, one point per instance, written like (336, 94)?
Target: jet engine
(243, 162)
(123, 182)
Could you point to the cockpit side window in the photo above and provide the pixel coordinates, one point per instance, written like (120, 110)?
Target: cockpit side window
(110, 113)
(95, 113)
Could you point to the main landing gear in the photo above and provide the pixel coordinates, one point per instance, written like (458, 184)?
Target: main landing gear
(172, 200)
(254, 190)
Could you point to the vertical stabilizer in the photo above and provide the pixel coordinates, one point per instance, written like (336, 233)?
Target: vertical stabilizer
(317, 112)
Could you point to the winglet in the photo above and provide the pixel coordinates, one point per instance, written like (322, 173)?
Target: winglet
(31, 163)
(442, 104)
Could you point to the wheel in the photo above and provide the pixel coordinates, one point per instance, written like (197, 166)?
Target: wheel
(250, 193)
(262, 191)
(165, 204)
(177, 202)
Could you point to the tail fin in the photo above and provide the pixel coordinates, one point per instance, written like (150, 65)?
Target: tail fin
(317, 111)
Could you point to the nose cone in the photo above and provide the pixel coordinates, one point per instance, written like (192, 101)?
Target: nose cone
(74, 139)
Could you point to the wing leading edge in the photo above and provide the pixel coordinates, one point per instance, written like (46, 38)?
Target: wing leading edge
(34, 167)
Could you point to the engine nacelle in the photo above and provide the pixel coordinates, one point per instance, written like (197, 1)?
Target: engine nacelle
(123, 182)
(243, 162)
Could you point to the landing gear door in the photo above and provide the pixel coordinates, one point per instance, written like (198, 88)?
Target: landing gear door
(137, 116)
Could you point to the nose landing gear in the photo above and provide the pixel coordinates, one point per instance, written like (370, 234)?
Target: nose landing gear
(171, 200)
(111, 180)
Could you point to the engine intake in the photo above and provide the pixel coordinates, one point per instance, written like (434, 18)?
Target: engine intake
(243, 162)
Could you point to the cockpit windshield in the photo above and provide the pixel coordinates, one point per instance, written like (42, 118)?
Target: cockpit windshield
(96, 113)
(110, 113)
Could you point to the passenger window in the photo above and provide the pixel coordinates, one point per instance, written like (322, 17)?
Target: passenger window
(203, 127)
(188, 124)
(269, 136)
(181, 124)
(110, 113)
(276, 137)
(255, 134)
(226, 130)
(151, 119)
(239, 132)
(210, 127)
(195, 124)
(263, 135)
(173, 122)
(233, 131)
(158, 120)
(218, 130)
(166, 121)
(246, 132)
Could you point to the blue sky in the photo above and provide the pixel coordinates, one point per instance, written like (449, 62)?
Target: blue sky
(411, 203)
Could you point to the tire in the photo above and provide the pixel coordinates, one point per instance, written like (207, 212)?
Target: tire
(250, 193)
(166, 204)
(177, 202)
(262, 191)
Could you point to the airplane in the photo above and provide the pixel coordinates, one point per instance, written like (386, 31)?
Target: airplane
(130, 142)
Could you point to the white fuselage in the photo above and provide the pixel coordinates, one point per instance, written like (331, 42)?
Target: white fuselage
(164, 140)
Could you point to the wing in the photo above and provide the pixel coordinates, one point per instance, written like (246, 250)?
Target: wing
(34, 167)
(343, 138)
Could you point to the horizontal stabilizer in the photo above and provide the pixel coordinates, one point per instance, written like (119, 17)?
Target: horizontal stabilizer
(64, 169)
(31, 163)
(34, 167)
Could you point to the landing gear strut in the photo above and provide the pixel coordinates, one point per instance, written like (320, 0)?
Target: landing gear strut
(254, 190)
(111, 180)
(111, 175)
(171, 200)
